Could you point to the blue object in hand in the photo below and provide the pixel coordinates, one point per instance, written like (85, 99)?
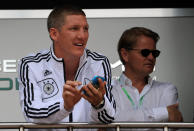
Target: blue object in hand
(95, 82)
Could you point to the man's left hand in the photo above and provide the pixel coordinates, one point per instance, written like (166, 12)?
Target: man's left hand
(93, 95)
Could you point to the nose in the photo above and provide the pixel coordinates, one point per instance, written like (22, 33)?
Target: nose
(82, 34)
(151, 57)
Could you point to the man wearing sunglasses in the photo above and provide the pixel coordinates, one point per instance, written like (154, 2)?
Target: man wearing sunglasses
(139, 97)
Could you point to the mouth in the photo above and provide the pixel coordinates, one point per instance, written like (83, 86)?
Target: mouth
(79, 44)
(149, 64)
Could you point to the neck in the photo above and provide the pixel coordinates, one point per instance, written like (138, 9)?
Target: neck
(71, 62)
(71, 67)
(138, 81)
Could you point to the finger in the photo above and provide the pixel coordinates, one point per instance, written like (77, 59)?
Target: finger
(176, 105)
(173, 106)
(82, 90)
(73, 83)
(180, 117)
(72, 96)
(92, 89)
(67, 86)
(88, 90)
(102, 86)
(68, 94)
(84, 93)
(70, 89)
(86, 97)
(70, 99)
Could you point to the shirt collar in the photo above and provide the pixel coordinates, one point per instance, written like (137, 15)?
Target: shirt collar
(150, 80)
(125, 81)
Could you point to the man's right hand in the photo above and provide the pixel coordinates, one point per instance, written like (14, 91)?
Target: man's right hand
(174, 115)
(71, 95)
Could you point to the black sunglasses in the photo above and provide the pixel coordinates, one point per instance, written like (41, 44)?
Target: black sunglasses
(146, 52)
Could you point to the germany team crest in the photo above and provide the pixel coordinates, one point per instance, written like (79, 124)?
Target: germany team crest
(49, 88)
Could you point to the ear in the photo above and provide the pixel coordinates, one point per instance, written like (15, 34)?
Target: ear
(53, 33)
(124, 54)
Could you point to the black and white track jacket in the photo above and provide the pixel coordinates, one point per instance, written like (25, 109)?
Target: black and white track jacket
(41, 80)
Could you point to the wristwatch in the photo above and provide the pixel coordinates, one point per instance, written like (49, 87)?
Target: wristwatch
(100, 105)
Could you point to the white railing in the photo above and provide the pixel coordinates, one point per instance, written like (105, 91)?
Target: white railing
(70, 126)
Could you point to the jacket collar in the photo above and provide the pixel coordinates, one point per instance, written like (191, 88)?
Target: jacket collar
(53, 54)
(83, 58)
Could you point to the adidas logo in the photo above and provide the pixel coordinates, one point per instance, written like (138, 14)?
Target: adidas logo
(47, 72)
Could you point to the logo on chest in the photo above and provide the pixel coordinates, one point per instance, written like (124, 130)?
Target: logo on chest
(49, 88)
(47, 72)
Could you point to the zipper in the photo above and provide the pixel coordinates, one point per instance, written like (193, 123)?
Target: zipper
(71, 114)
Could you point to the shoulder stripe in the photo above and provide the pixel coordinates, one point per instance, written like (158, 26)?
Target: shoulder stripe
(25, 61)
(95, 55)
(31, 57)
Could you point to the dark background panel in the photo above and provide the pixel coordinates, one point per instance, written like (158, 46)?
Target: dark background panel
(96, 4)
